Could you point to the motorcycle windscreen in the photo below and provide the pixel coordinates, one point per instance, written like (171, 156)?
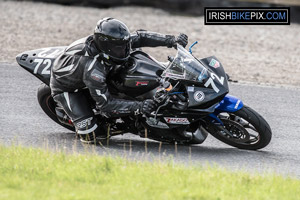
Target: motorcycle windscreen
(208, 79)
(185, 66)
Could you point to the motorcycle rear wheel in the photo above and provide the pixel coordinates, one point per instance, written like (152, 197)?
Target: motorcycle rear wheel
(48, 104)
(244, 129)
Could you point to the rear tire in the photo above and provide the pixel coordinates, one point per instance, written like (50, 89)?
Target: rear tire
(245, 120)
(48, 104)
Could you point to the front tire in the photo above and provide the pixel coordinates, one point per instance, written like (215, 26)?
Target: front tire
(244, 129)
(48, 104)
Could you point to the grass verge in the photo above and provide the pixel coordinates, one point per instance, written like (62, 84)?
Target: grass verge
(27, 173)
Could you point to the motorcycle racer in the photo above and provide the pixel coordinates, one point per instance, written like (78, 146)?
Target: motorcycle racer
(86, 63)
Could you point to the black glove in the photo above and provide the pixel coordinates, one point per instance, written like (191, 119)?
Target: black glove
(147, 106)
(182, 39)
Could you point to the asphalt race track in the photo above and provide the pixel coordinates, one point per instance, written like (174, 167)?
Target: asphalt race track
(23, 122)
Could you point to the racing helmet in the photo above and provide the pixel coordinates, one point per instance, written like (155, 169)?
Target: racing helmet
(112, 37)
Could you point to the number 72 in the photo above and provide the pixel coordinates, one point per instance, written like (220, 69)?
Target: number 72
(39, 62)
(211, 82)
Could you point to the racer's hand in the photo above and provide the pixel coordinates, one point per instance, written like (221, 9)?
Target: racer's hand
(182, 39)
(148, 106)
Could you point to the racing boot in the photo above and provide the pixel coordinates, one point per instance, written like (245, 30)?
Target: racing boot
(99, 135)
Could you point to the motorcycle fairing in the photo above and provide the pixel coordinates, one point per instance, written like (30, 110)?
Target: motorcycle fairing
(192, 115)
(201, 97)
(217, 68)
(229, 104)
(213, 84)
(140, 77)
(40, 61)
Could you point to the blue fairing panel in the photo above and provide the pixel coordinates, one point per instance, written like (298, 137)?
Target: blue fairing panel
(229, 104)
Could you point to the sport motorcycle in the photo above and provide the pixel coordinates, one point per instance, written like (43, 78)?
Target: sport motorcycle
(192, 95)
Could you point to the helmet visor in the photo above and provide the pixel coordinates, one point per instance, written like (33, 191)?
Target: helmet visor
(119, 49)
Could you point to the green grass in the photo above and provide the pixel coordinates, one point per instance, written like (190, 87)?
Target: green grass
(39, 174)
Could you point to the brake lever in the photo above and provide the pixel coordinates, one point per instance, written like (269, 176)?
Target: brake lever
(163, 105)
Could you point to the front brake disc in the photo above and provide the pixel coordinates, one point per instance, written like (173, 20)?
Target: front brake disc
(237, 132)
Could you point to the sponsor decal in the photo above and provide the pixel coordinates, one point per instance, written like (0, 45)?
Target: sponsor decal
(141, 83)
(96, 75)
(237, 104)
(199, 96)
(191, 89)
(247, 16)
(174, 120)
(214, 63)
(84, 123)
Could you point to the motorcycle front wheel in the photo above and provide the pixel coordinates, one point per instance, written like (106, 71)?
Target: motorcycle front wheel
(244, 129)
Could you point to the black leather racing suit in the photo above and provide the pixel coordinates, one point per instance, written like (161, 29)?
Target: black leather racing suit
(82, 66)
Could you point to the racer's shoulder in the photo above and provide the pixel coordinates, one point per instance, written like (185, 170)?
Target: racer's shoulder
(79, 47)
